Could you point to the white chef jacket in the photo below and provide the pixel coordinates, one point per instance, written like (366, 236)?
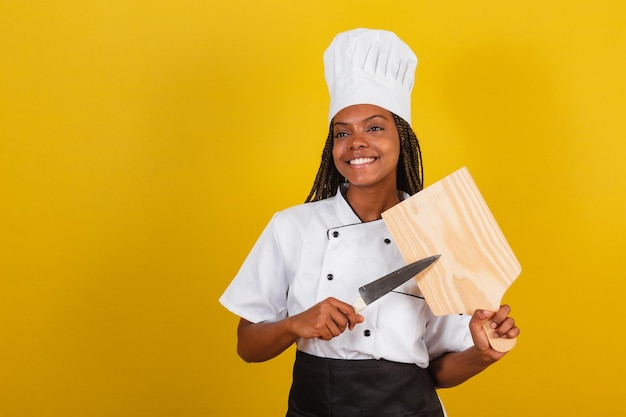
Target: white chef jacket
(317, 250)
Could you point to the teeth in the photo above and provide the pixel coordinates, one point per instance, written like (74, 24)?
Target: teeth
(360, 161)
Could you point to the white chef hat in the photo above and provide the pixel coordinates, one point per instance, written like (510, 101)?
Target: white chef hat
(365, 66)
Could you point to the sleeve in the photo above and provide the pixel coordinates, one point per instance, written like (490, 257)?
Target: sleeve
(448, 334)
(259, 290)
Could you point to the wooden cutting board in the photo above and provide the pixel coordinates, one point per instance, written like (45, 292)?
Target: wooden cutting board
(477, 264)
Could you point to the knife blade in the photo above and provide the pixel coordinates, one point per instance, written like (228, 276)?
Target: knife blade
(381, 286)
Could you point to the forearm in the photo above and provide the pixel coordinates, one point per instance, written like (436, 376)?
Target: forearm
(258, 342)
(455, 368)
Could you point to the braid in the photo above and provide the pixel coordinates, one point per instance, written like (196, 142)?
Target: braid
(410, 171)
(410, 174)
(328, 178)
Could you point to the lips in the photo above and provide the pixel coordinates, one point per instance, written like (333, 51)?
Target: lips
(361, 161)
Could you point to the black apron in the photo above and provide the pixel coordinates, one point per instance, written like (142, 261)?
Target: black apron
(360, 388)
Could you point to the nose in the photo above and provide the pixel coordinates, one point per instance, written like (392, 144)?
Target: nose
(358, 141)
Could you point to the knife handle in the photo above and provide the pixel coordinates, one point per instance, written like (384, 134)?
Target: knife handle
(359, 304)
(497, 343)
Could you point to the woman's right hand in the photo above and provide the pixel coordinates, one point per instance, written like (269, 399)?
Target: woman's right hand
(258, 342)
(325, 320)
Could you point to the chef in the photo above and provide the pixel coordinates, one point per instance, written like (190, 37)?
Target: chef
(298, 283)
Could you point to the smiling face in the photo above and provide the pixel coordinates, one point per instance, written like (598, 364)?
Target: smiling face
(366, 146)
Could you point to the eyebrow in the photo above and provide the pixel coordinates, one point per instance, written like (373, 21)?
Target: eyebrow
(364, 120)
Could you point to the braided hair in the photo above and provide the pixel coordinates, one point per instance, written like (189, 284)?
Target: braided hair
(409, 174)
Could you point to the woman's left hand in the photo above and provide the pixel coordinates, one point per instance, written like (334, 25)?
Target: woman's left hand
(502, 324)
(454, 368)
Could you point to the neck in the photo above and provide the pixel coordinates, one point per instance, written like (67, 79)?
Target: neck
(369, 203)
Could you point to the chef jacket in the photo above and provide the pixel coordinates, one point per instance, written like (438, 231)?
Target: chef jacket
(321, 249)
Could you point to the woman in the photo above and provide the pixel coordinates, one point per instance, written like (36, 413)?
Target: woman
(297, 283)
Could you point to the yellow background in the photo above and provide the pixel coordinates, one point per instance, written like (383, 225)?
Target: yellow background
(145, 144)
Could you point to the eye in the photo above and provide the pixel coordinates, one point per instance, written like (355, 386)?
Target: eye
(340, 135)
(376, 128)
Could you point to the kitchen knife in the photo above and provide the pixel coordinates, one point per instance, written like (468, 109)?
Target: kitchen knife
(376, 289)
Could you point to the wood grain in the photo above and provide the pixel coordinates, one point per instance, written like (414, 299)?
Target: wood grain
(451, 218)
